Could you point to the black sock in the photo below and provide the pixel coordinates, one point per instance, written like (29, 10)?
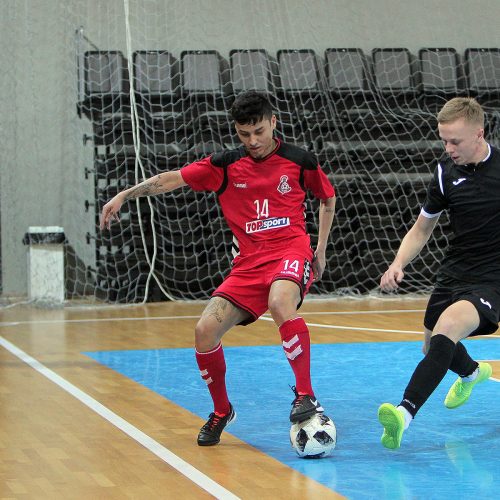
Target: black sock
(428, 373)
(462, 364)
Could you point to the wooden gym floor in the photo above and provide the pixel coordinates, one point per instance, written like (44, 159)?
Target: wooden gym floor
(73, 428)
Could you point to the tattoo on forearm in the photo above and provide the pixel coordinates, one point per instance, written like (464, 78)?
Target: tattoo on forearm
(150, 188)
(329, 210)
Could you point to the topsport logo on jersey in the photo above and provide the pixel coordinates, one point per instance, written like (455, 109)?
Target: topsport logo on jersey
(255, 226)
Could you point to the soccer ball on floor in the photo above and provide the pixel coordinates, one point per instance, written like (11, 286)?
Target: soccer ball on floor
(315, 437)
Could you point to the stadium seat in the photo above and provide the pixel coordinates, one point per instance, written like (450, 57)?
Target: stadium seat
(105, 73)
(204, 72)
(439, 70)
(347, 77)
(206, 94)
(346, 71)
(156, 74)
(482, 71)
(302, 94)
(439, 76)
(393, 75)
(157, 88)
(298, 70)
(105, 96)
(252, 69)
(396, 89)
(104, 81)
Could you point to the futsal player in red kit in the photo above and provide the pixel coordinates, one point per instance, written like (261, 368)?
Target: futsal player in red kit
(261, 189)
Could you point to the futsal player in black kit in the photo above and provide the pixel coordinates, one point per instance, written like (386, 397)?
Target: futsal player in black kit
(466, 298)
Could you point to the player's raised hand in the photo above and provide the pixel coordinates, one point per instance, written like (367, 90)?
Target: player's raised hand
(392, 278)
(110, 211)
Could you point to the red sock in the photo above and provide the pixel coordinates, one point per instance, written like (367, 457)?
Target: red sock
(297, 345)
(212, 367)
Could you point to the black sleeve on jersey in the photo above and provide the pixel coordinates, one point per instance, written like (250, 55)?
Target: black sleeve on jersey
(300, 156)
(436, 201)
(225, 158)
(222, 160)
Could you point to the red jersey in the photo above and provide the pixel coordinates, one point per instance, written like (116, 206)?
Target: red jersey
(263, 201)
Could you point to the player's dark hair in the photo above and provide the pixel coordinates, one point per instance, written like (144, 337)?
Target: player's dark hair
(250, 108)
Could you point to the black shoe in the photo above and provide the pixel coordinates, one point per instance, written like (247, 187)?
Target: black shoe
(211, 431)
(304, 406)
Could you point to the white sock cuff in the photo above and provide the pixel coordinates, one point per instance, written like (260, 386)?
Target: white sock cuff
(407, 416)
(216, 348)
(472, 376)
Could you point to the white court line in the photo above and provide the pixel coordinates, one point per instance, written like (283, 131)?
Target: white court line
(264, 318)
(338, 327)
(382, 311)
(93, 320)
(153, 446)
(159, 318)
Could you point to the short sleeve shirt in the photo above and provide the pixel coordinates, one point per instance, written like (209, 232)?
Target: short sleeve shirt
(471, 194)
(263, 201)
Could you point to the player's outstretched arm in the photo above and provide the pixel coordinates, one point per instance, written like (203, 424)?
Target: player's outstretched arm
(326, 215)
(161, 183)
(411, 245)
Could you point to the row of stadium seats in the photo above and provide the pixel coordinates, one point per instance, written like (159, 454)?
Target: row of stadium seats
(392, 71)
(367, 97)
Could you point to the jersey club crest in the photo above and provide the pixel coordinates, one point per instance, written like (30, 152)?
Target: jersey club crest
(283, 186)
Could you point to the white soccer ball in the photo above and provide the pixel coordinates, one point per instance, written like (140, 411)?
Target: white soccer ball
(315, 437)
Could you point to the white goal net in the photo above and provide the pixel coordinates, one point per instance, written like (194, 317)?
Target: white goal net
(149, 95)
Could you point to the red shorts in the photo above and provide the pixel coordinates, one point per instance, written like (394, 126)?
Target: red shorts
(248, 284)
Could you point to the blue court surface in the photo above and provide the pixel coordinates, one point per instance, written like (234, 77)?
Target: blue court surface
(444, 454)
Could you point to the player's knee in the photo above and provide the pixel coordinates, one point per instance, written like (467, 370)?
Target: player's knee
(447, 325)
(281, 309)
(204, 337)
(277, 305)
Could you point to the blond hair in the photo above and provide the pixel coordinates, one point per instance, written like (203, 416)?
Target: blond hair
(462, 107)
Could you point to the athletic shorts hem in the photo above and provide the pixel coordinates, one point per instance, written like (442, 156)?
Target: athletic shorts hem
(443, 297)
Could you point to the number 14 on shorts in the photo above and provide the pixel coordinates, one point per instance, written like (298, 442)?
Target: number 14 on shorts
(298, 269)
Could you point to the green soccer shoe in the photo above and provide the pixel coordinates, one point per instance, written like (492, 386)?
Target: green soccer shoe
(393, 422)
(460, 391)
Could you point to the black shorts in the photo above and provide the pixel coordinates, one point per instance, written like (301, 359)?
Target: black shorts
(485, 298)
